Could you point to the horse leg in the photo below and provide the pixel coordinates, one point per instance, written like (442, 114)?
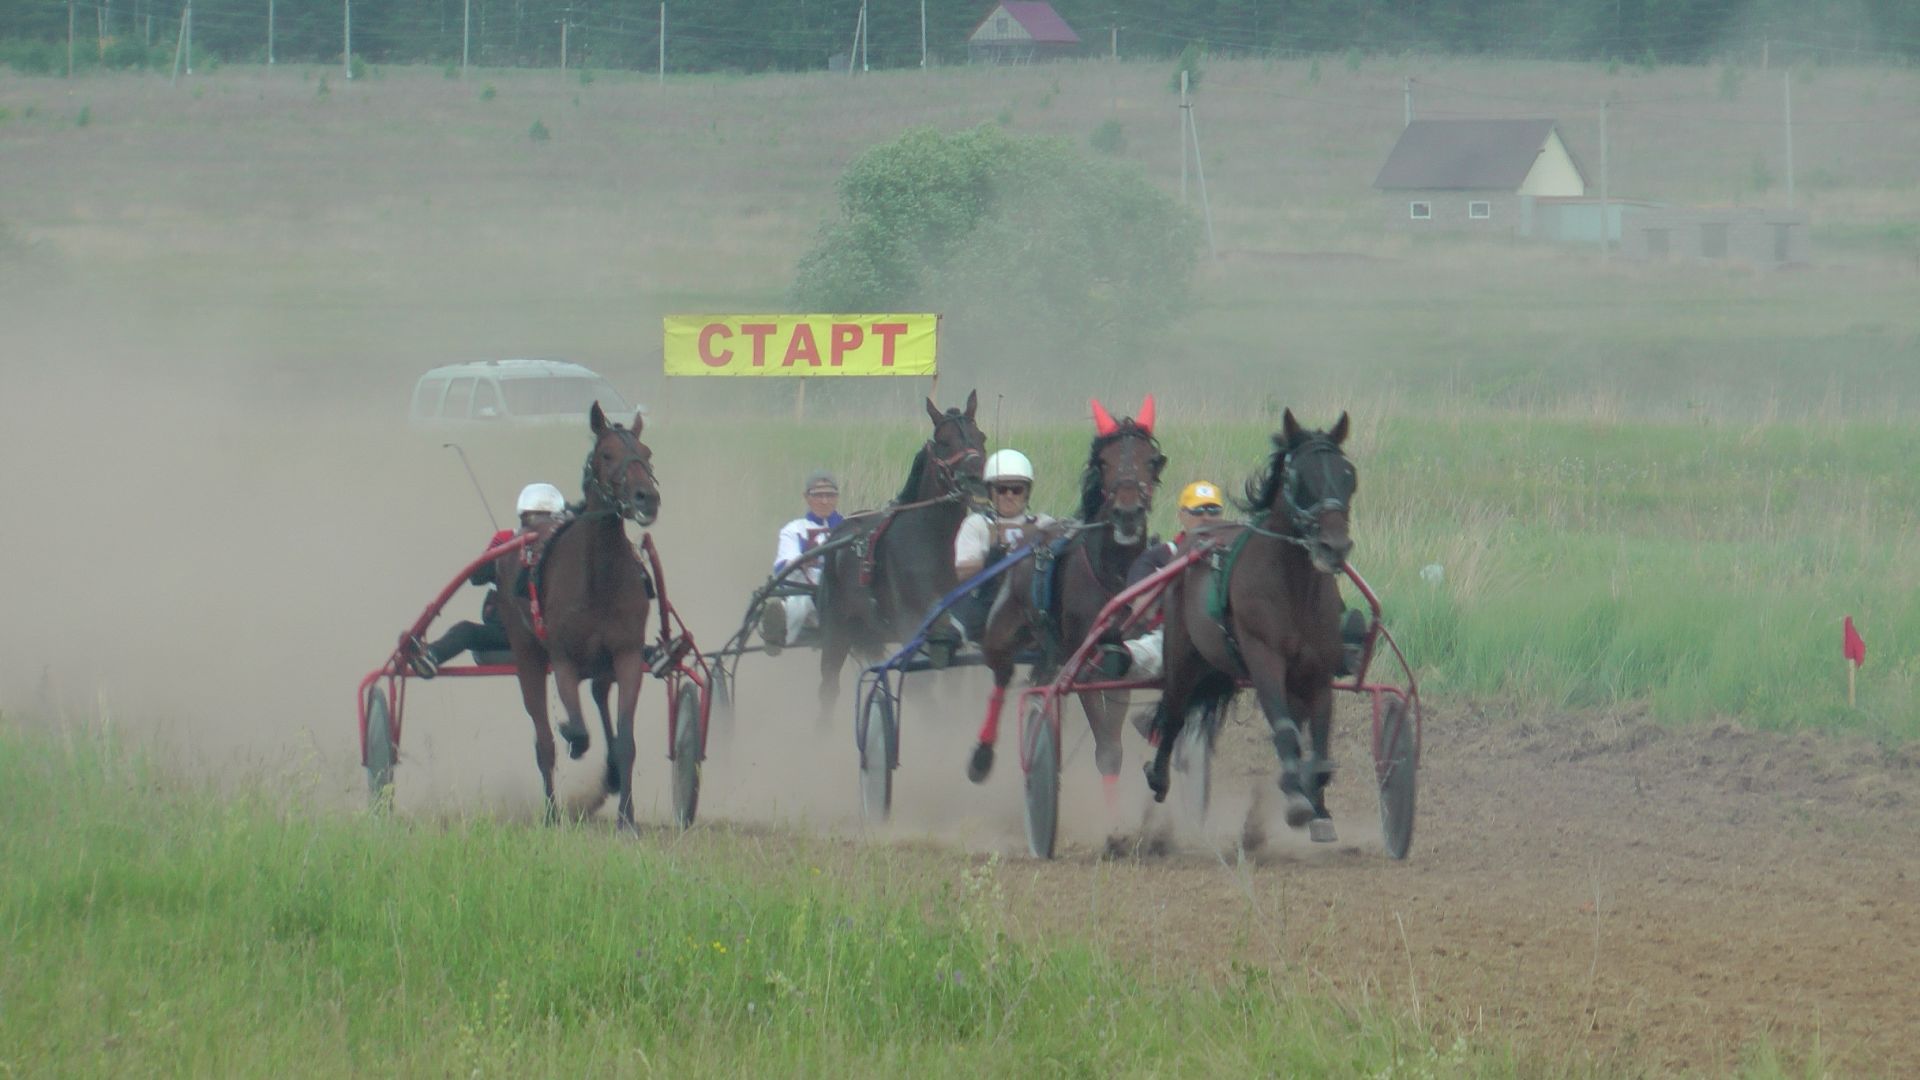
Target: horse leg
(602, 686)
(566, 679)
(1183, 675)
(834, 647)
(533, 694)
(1270, 686)
(981, 763)
(1319, 769)
(1104, 717)
(629, 669)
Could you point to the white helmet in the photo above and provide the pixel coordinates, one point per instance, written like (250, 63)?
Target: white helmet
(540, 499)
(1008, 465)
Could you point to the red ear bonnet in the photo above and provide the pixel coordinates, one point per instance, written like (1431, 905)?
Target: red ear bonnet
(1103, 423)
(1146, 415)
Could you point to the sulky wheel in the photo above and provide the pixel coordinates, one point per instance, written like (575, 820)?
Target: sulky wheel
(1193, 757)
(1395, 762)
(686, 753)
(1043, 779)
(879, 743)
(382, 751)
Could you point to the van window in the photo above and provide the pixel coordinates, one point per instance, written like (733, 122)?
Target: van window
(459, 399)
(486, 400)
(426, 397)
(538, 397)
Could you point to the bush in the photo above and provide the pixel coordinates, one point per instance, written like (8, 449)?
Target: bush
(488, 93)
(1017, 241)
(33, 57)
(85, 117)
(1109, 137)
(357, 70)
(538, 132)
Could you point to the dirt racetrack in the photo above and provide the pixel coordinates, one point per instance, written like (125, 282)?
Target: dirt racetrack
(1594, 887)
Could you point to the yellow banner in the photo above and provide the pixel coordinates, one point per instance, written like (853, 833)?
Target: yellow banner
(802, 345)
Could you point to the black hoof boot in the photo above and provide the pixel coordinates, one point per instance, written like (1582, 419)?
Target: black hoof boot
(1156, 771)
(610, 783)
(577, 739)
(981, 763)
(1299, 807)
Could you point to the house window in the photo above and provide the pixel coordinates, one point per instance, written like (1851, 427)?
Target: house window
(1000, 26)
(1420, 211)
(1479, 211)
(1713, 240)
(1656, 243)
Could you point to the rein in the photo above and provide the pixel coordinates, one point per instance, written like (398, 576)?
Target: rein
(614, 502)
(1304, 520)
(946, 469)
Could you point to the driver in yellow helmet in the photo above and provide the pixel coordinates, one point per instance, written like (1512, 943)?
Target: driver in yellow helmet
(1140, 657)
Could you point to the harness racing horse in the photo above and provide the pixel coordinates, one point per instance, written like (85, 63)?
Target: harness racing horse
(585, 612)
(1116, 496)
(1280, 627)
(876, 589)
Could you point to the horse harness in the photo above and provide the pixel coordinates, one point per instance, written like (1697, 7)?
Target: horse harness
(945, 472)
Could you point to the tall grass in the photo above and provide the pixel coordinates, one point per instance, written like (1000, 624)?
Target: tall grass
(156, 930)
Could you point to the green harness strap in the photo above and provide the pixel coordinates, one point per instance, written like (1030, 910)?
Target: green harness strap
(1217, 606)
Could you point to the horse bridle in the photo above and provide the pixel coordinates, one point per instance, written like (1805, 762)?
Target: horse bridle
(1305, 520)
(619, 502)
(1130, 477)
(946, 470)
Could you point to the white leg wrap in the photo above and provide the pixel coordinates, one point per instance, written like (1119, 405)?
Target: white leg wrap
(1145, 651)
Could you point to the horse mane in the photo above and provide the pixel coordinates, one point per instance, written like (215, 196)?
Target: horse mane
(1092, 498)
(911, 488)
(1263, 487)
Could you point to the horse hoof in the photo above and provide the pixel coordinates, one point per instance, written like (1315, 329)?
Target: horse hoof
(577, 739)
(610, 783)
(1320, 831)
(1299, 810)
(981, 763)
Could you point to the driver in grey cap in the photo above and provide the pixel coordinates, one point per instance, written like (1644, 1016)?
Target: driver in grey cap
(782, 619)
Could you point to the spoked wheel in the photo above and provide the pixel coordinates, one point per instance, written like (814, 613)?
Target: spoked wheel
(877, 748)
(720, 714)
(686, 753)
(1043, 779)
(1193, 758)
(1395, 761)
(381, 751)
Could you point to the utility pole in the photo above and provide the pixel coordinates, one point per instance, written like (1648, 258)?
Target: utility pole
(1606, 223)
(269, 33)
(663, 44)
(863, 36)
(69, 39)
(348, 38)
(923, 35)
(1409, 101)
(565, 18)
(853, 50)
(1200, 171)
(179, 42)
(1787, 116)
(1183, 136)
(1113, 42)
(189, 18)
(466, 36)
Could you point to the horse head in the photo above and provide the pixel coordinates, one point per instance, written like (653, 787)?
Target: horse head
(618, 476)
(956, 452)
(1122, 471)
(1311, 485)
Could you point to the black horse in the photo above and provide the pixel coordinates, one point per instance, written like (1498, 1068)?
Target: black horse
(1281, 624)
(876, 589)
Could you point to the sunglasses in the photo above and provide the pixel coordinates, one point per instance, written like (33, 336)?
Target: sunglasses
(1009, 489)
(1205, 511)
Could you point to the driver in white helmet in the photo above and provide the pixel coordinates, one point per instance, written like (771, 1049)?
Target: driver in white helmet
(986, 538)
(541, 507)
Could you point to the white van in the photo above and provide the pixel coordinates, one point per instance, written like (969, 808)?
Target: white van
(513, 392)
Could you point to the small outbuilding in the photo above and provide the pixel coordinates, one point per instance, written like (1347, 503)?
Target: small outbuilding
(1756, 235)
(1472, 175)
(1021, 32)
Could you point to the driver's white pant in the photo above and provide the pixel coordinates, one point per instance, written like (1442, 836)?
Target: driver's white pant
(1145, 651)
(799, 615)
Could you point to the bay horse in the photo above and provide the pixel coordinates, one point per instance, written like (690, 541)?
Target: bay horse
(876, 589)
(1281, 626)
(1123, 467)
(585, 612)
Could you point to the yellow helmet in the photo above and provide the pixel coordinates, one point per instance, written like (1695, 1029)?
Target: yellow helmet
(1199, 493)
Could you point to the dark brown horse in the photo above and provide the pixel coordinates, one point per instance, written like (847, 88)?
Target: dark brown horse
(876, 590)
(1282, 622)
(585, 614)
(1116, 496)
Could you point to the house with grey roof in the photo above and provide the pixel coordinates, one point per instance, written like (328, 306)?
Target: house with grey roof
(1475, 175)
(1020, 32)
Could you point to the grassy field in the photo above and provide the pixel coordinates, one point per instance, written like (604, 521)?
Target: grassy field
(160, 930)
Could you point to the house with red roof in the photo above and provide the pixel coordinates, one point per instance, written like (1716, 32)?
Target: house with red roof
(1020, 32)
